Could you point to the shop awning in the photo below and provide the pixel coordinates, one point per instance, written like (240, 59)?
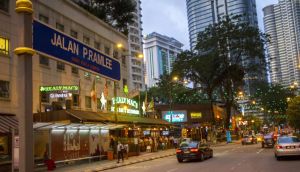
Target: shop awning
(87, 117)
(8, 122)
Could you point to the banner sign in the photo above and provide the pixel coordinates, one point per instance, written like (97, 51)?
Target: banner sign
(174, 116)
(196, 115)
(63, 47)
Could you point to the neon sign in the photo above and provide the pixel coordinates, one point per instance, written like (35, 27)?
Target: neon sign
(125, 101)
(59, 88)
(174, 116)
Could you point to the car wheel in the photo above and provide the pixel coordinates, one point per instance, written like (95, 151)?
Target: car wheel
(201, 157)
(179, 160)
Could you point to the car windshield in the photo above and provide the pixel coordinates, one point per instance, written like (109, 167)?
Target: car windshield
(288, 140)
(189, 144)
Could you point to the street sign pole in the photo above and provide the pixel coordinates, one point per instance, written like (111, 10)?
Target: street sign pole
(25, 116)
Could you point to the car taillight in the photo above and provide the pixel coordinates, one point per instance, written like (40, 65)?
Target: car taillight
(279, 147)
(178, 150)
(194, 150)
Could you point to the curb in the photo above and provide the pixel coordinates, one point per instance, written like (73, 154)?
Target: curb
(132, 162)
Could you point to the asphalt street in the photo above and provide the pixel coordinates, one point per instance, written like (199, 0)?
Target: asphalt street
(229, 158)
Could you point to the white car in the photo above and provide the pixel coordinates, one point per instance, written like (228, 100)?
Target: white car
(287, 146)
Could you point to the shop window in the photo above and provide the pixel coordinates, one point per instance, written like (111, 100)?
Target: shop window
(75, 70)
(44, 60)
(74, 34)
(88, 102)
(44, 97)
(43, 18)
(60, 66)
(75, 98)
(4, 89)
(4, 46)
(97, 45)
(86, 40)
(60, 27)
(106, 50)
(98, 78)
(4, 5)
(116, 55)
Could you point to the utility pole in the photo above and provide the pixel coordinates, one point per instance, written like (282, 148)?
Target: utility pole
(25, 53)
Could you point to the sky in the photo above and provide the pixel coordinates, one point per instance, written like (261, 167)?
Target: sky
(168, 17)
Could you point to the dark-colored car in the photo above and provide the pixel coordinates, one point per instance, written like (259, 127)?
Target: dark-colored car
(193, 150)
(268, 141)
(247, 139)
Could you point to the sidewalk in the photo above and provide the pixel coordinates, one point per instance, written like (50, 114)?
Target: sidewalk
(106, 164)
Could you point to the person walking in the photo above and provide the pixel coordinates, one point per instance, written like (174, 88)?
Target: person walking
(120, 150)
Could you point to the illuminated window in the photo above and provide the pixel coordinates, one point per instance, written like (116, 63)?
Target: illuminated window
(87, 75)
(4, 46)
(4, 89)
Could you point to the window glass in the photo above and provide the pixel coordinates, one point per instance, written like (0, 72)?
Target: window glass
(75, 98)
(4, 4)
(60, 66)
(4, 46)
(75, 70)
(86, 39)
(87, 75)
(44, 97)
(43, 18)
(60, 27)
(106, 50)
(88, 102)
(4, 89)
(44, 60)
(97, 45)
(74, 34)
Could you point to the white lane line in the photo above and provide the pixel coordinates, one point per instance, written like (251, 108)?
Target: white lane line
(260, 151)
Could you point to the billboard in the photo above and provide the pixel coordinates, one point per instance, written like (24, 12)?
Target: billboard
(174, 116)
(63, 47)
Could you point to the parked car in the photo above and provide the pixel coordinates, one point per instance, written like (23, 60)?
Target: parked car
(247, 139)
(268, 141)
(193, 150)
(287, 146)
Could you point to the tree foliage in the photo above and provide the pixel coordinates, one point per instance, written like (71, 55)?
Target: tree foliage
(117, 13)
(293, 112)
(225, 54)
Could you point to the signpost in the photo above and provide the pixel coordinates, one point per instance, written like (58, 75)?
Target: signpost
(60, 46)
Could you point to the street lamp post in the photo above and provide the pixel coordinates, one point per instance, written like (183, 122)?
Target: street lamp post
(25, 53)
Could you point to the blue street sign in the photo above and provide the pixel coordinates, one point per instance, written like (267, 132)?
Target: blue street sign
(63, 47)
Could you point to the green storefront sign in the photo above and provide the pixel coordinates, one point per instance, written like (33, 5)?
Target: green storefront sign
(59, 88)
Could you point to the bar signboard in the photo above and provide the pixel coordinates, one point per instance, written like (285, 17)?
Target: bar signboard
(61, 46)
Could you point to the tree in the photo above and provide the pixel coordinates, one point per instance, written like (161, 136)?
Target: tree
(117, 13)
(230, 50)
(273, 100)
(293, 112)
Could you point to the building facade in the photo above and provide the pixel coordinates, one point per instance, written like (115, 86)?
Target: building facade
(202, 13)
(282, 23)
(160, 52)
(135, 42)
(52, 77)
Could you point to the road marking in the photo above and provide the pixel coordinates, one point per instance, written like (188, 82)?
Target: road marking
(260, 151)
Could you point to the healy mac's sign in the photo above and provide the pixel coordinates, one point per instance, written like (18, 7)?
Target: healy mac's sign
(58, 45)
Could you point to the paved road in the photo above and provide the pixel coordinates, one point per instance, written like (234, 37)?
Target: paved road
(229, 158)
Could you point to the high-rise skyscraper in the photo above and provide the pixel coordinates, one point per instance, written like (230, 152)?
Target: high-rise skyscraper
(202, 13)
(160, 52)
(135, 41)
(282, 23)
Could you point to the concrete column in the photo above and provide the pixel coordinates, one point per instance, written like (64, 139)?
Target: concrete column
(24, 8)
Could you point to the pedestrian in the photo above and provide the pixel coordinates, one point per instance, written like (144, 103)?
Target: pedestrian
(120, 150)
